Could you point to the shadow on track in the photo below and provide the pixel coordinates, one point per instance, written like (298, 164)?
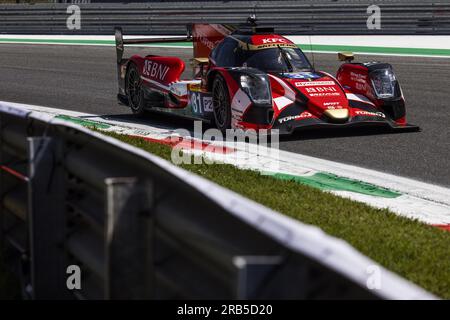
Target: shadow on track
(322, 133)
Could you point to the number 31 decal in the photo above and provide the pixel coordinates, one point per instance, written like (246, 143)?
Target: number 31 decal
(200, 103)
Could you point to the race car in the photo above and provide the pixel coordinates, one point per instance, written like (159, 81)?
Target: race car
(252, 78)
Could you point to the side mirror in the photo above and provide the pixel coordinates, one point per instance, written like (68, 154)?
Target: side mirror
(346, 56)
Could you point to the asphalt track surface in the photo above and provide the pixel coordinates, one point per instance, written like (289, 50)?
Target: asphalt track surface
(83, 78)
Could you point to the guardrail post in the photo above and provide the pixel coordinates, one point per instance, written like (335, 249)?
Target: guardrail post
(252, 274)
(46, 218)
(128, 226)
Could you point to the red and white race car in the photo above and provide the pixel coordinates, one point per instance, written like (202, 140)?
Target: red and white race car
(252, 78)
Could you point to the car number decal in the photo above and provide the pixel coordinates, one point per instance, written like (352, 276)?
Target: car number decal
(200, 102)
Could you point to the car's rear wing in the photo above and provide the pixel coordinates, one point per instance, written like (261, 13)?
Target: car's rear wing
(121, 42)
(204, 36)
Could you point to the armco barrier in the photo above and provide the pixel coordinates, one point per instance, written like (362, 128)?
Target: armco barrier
(139, 227)
(289, 17)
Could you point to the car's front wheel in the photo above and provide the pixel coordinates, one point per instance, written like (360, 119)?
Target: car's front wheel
(221, 104)
(134, 90)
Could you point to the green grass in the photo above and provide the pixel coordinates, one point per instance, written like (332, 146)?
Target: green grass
(416, 251)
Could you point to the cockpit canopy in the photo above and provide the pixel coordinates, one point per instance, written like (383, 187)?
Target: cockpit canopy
(267, 52)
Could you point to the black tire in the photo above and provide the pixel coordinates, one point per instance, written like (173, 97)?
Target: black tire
(133, 88)
(221, 104)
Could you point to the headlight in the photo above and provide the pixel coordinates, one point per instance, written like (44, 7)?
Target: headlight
(257, 88)
(383, 82)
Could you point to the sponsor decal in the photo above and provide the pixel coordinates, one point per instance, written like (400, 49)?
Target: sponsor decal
(360, 81)
(252, 47)
(333, 105)
(325, 94)
(203, 36)
(155, 70)
(314, 83)
(370, 114)
(321, 89)
(303, 115)
(306, 114)
(208, 43)
(357, 77)
(273, 40)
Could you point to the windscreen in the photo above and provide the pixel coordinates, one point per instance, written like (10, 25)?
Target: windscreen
(277, 59)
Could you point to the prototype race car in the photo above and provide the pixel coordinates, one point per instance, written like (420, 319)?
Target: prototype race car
(252, 78)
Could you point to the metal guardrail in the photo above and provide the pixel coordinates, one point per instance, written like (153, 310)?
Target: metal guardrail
(289, 17)
(140, 227)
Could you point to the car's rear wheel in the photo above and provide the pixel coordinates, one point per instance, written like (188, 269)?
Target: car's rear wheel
(134, 90)
(221, 104)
